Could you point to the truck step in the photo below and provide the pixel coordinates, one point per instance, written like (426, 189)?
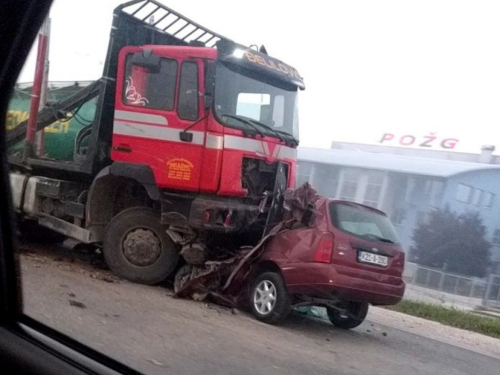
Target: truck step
(68, 229)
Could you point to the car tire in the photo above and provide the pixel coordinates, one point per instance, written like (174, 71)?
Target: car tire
(137, 247)
(355, 313)
(274, 306)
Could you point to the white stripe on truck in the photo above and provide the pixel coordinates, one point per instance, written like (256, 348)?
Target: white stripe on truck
(123, 125)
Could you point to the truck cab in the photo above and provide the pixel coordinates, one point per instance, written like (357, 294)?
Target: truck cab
(206, 120)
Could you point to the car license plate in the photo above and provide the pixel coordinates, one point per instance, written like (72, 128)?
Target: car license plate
(371, 258)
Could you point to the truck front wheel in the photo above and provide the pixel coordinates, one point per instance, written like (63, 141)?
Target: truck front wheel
(137, 247)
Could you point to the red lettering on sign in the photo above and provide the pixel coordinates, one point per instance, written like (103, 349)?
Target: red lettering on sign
(407, 140)
(386, 137)
(449, 143)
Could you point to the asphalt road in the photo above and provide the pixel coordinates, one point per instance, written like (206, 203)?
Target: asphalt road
(147, 329)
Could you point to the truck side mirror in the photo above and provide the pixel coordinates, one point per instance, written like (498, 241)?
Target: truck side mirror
(146, 60)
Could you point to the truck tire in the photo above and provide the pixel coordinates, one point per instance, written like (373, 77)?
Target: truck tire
(137, 247)
(355, 315)
(269, 299)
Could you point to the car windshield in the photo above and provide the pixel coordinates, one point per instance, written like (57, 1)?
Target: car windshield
(363, 222)
(240, 96)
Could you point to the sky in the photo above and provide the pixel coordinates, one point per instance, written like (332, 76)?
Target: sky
(408, 68)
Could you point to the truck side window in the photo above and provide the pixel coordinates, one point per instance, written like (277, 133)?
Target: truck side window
(188, 91)
(145, 88)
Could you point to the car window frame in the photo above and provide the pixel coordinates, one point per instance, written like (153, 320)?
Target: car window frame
(27, 346)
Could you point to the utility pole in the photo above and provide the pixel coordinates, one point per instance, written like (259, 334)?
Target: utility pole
(37, 89)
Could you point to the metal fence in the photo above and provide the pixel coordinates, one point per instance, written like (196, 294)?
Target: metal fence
(486, 291)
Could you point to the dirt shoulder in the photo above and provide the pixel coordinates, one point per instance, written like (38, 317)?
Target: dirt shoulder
(436, 331)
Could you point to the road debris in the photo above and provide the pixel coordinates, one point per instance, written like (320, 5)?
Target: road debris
(105, 278)
(224, 281)
(77, 304)
(72, 294)
(155, 362)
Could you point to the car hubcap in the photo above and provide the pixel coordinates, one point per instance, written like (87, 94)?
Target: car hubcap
(141, 247)
(264, 297)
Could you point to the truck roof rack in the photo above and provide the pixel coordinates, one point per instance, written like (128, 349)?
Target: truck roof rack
(156, 15)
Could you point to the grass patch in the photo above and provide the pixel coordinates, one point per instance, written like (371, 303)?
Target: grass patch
(450, 317)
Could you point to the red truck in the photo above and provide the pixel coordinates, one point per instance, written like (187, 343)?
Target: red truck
(192, 145)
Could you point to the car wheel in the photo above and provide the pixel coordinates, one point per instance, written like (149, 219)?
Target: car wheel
(269, 299)
(353, 315)
(137, 247)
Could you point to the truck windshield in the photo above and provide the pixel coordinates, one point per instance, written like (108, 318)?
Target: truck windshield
(248, 103)
(363, 222)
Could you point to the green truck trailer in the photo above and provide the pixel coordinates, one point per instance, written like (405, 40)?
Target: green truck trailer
(60, 137)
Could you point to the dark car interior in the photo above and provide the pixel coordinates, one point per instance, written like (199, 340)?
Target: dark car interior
(27, 347)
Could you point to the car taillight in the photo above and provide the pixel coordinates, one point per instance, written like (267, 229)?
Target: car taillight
(325, 249)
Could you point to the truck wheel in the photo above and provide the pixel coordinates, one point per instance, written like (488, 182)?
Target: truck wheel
(269, 299)
(137, 247)
(355, 313)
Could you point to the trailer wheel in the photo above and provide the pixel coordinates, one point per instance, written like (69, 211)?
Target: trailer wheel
(353, 316)
(137, 247)
(269, 299)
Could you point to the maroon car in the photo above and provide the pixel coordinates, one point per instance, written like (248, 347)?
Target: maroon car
(348, 258)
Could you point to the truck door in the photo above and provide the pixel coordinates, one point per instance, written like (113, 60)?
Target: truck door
(154, 103)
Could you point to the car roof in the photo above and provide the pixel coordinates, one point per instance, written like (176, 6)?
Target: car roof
(334, 200)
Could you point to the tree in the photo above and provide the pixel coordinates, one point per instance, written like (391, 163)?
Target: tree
(452, 242)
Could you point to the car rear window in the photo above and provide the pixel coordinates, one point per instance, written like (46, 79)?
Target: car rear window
(363, 222)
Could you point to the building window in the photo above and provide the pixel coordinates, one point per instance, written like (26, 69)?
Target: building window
(373, 189)
(349, 187)
(496, 237)
(488, 200)
(477, 197)
(398, 216)
(464, 193)
(410, 190)
(428, 187)
(304, 172)
(434, 189)
(326, 180)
